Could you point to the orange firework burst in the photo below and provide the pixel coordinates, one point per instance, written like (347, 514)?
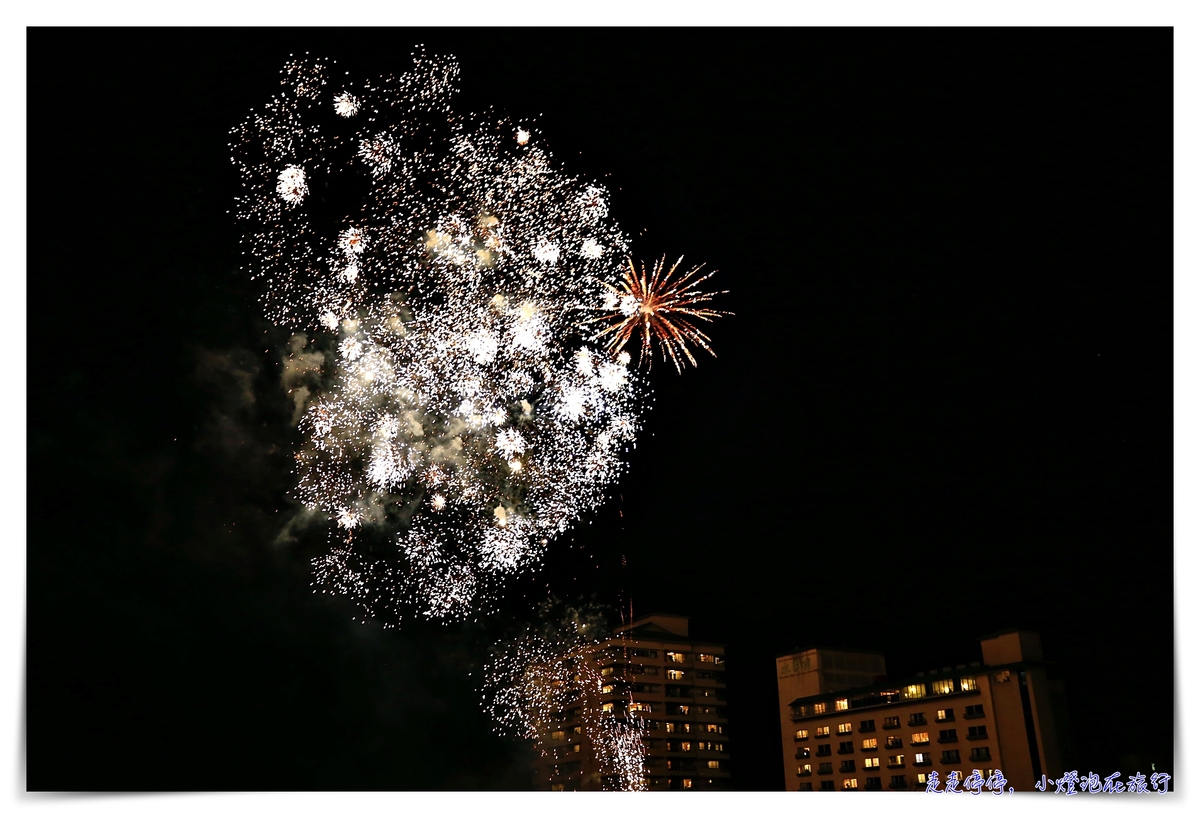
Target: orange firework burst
(663, 307)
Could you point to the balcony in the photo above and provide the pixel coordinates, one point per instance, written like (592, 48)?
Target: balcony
(975, 757)
(870, 729)
(899, 766)
(970, 715)
(823, 751)
(823, 771)
(926, 763)
(894, 745)
(948, 740)
(895, 786)
(800, 738)
(845, 751)
(873, 786)
(802, 754)
(869, 749)
(976, 736)
(804, 774)
(943, 721)
(917, 721)
(920, 743)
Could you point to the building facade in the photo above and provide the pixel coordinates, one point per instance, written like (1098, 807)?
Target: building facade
(653, 671)
(839, 734)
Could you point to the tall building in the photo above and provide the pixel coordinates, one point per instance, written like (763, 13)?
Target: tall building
(654, 670)
(846, 727)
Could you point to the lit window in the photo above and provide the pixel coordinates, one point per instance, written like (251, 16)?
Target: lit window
(682, 709)
(606, 689)
(818, 708)
(968, 683)
(822, 731)
(672, 656)
(706, 657)
(871, 763)
(559, 735)
(577, 730)
(842, 704)
(675, 674)
(607, 707)
(607, 671)
(870, 743)
(714, 765)
(712, 728)
(801, 735)
(805, 769)
(914, 692)
(946, 715)
(575, 749)
(922, 758)
(687, 783)
(844, 728)
(922, 778)
(556, 788)
(896, 761)
(643, 707)
(850, 784)
(920, 738)
(943, 686)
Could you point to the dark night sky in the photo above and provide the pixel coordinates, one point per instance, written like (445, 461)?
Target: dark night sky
(943, 406)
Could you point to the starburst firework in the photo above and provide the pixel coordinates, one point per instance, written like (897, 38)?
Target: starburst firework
(660, 307)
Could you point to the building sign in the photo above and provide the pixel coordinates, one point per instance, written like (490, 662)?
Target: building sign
(794, 665)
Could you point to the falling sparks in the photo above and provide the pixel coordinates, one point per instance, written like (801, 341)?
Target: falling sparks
(661, 307)
(529, 681)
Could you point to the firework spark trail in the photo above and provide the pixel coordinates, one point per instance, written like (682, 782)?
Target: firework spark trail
(443, 268)
(530, 681)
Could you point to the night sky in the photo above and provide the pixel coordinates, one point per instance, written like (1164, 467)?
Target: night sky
(942, 407)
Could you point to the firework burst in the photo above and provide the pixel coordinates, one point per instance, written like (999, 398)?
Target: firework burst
(439, 290)
(661, 307)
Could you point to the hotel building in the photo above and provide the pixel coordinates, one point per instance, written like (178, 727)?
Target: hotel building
(676, 684)
(845, 727)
